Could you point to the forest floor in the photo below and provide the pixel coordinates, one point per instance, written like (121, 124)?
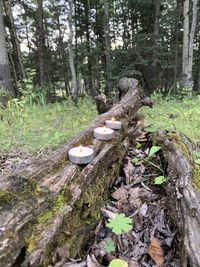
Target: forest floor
(136, 228)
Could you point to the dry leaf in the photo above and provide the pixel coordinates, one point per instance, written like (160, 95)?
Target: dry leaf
(120, 194)
(156, 252)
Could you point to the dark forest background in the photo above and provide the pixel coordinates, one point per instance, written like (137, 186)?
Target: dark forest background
(61, 48)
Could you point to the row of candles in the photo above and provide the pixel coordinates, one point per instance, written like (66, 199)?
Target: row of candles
(82, 155)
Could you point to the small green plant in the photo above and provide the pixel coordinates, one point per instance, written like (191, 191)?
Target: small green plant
(118, 263)
(151, 129)
(197, 161)
(153, 150)
(196, 155)
(120, 224)
(135, 160)
(159, 180)
(109, 246)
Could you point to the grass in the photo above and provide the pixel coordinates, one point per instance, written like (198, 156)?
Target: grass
(35, 128)
(182, 115)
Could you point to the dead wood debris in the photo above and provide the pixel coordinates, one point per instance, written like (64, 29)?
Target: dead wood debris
(153, 240)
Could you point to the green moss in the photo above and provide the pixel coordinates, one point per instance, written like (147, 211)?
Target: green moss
(180, 144)
(21, 190)
(196, 177)
(45, 216)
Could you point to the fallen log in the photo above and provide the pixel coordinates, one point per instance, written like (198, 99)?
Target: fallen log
(52, 202)
(183, 189)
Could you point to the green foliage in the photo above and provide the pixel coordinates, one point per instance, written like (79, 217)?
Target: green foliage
(32, 128)
(196, 155)
(159, 180)
(150, 129)
(170, 113)
(153, 150)
(120, 224)
(109, 245)
(197, 161)
(118, 263)
(135, 160)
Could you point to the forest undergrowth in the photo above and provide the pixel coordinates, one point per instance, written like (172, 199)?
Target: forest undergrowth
(172, 113)
(30, 128)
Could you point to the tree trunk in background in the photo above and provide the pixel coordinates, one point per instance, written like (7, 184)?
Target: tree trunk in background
(156, 40)
(176, 46)
(5, 75)
(41, 42)
(90, 65)
(107, 48)
(71, 51)
(188, 40)
(17, 56)
(191, 42)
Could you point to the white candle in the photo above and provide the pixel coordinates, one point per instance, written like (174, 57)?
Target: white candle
(113, 124)
(81, 155)
(103, 133)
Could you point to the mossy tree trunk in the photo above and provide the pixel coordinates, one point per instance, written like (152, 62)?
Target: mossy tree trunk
(51, 202)
(183, 189)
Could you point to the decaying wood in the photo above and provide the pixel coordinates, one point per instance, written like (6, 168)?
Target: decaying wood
(123, 86)
(52, 202)
(184, 192)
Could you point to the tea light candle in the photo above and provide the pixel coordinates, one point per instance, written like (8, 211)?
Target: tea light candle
(81, 155)
(103, 133)
(113, 124)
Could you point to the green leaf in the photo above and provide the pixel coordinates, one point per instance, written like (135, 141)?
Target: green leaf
(109, 245)
(135, 160)
(118, 263)
(159, 180)
(154, 150)
(196, 154)
(120, 224)
(150, 129)
(197, 161)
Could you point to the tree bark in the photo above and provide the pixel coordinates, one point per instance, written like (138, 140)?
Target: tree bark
(5, 75)
(17, 56)
(41, 43)
(107, 48)
(188, 40)
(71, 51)
(58, 201)
(183, 189)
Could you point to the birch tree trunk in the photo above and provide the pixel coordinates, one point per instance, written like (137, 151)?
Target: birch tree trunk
(188, 40)
(5, 75)
(71, 51)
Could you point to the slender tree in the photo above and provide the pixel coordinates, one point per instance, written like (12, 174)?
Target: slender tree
(41, 42)
(188, 41)
(71, 51)
(17, 55)
(107, 48)
(5, 75)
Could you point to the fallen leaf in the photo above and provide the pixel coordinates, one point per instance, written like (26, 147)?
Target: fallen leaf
(92, 261)
(120, 194)
(132, 263)
(156, 252)
(118, 263)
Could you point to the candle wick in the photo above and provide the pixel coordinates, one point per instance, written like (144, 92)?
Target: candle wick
(81, 149)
